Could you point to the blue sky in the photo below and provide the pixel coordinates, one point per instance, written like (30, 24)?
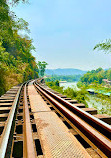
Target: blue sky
(65, 31)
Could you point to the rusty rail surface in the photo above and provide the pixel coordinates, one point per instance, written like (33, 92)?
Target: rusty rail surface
(28, 145)
(98, 132)
(7, 129)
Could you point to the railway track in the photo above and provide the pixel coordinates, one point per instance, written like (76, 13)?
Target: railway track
(94, 131)
(17, 138)
(27, 112)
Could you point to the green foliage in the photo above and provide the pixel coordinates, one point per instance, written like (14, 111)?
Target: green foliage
(80, 95)
(93, 80)
(42, 65)
(57, 83)
(70, 92)
(54, 85)
(94, 76)
(104, 46)
(13, 2)
(108, 74)
(16, 61)
(68, 78)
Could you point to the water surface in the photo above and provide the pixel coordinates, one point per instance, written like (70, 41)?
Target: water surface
(69, 84)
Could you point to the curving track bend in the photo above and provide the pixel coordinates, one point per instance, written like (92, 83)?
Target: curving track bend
(35, 121)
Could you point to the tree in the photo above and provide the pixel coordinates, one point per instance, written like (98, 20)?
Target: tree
(17, 1)
(98, 70)
(42, 65)
(105, 46)
(94, 76)
(17, 64)
(57, 83)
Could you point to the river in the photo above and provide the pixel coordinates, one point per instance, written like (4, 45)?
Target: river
(69, 84)
(102, 106)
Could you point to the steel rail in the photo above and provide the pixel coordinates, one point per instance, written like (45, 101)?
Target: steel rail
(28, 144)
(95, 122)
(98, 139)
(7, 128)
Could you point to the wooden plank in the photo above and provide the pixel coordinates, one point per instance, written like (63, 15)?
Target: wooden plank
(91, 111)
(104, 117)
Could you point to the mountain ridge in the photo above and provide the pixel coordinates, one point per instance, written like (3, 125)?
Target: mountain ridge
(64, 71)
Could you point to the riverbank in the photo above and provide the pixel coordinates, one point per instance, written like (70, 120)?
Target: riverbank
(93, 91)
(71, 90)
(95, 88)
(97, 100)
(101, 102)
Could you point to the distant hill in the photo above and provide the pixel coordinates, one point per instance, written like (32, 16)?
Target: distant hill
(68, 71)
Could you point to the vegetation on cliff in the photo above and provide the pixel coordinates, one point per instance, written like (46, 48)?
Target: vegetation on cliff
(17, 64)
